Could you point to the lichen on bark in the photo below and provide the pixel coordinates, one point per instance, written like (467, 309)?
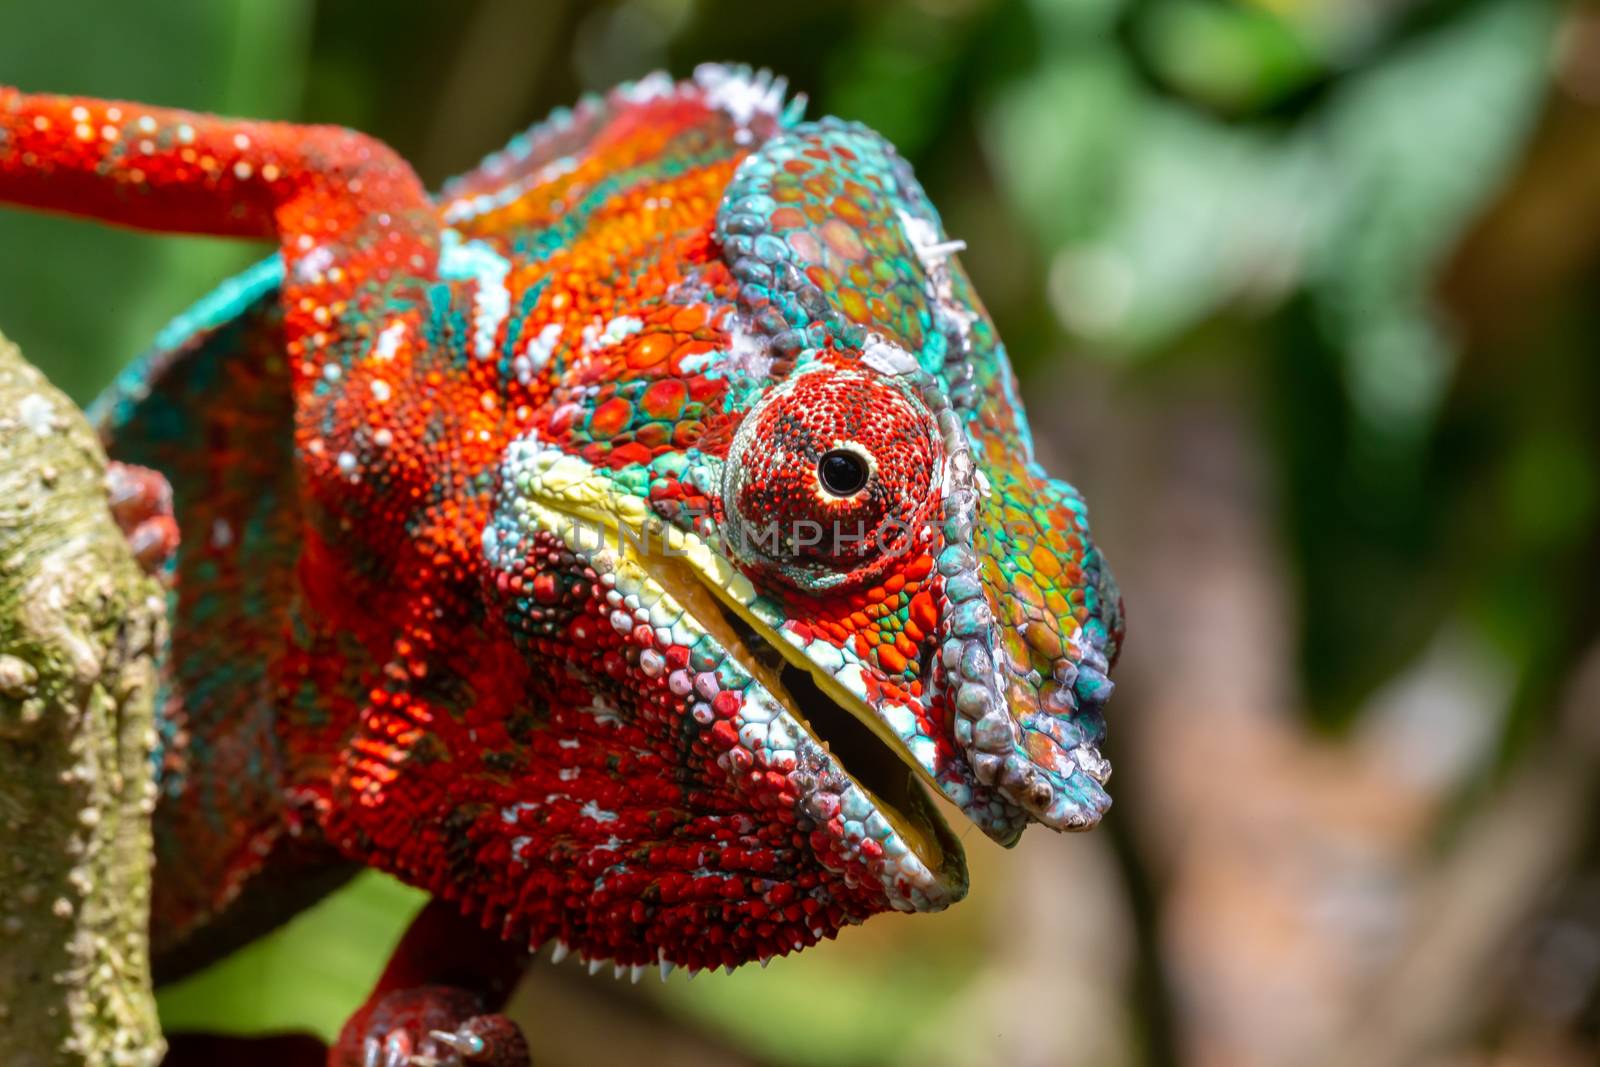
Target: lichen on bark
(80, 628)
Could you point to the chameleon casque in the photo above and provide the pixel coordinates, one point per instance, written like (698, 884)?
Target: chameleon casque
(615, 545)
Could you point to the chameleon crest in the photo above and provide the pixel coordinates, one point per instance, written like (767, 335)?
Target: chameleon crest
(617, 545)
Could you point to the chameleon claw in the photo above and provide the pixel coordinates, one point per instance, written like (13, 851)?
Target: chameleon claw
(466, 1044)
(559, 952)
(397, 1049)
(371, 1053)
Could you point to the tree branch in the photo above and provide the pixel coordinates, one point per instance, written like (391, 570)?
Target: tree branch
(80, 625)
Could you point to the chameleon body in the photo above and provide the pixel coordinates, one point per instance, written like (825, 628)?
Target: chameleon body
(614, 545)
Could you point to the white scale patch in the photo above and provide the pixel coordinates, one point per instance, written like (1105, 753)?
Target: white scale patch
(611, 333)
(886, 357)
(594, 811)
(741, 97)
(478, 262)
(389, 341)
(536, 355)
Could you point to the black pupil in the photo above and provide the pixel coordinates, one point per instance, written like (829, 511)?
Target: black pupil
(843, 473)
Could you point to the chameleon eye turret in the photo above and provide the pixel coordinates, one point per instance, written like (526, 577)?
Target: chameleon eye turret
(617, 545)
(830, 478)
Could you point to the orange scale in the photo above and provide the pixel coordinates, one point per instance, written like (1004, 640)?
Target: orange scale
(1047, 564)
(1016, 652)
(787, 218)
(890, 659)
(1016, 612)
(686, 320)
(853, 304)
(819, 186)
(652, 435)
(850, 211)
(1043, 639)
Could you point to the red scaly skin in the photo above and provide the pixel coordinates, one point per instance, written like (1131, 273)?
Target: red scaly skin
(408, 630)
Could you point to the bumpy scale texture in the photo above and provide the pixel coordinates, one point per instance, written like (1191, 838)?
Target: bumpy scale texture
(506, 564)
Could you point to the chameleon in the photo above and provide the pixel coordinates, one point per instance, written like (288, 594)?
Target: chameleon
(620, 544)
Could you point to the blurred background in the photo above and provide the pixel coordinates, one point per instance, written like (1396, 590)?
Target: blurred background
(1302, 294)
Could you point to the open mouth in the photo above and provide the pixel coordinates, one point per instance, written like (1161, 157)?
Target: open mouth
(930, 857)
(888, 778)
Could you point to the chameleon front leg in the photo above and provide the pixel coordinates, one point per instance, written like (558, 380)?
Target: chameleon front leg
(437, 1003)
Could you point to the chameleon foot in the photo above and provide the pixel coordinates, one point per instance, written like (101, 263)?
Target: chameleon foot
(141, 504)
(430, 1026)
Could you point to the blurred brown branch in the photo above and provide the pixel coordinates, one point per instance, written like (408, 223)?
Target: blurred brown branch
(1477, 901)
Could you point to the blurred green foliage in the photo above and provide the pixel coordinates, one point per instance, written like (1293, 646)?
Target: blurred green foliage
(1274, 185)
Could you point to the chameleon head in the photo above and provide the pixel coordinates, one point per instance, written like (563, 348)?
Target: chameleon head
(853, 582)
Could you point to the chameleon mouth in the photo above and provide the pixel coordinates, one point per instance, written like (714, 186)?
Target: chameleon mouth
(887, 774)
(867, 796)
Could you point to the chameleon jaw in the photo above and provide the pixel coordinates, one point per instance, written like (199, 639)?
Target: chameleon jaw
(855, 795)
(879, 798)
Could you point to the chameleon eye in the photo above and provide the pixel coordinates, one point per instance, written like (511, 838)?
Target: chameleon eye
(842, 472)
(830, 475)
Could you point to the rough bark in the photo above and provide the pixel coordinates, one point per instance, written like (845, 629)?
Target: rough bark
(80, 625)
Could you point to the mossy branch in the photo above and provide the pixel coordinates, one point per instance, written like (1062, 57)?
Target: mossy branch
(80, 626)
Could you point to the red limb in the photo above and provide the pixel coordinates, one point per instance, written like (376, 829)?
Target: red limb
(345, 209)
(446, 976)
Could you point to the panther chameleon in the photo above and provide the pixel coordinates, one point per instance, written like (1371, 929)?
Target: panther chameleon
(614, 545)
